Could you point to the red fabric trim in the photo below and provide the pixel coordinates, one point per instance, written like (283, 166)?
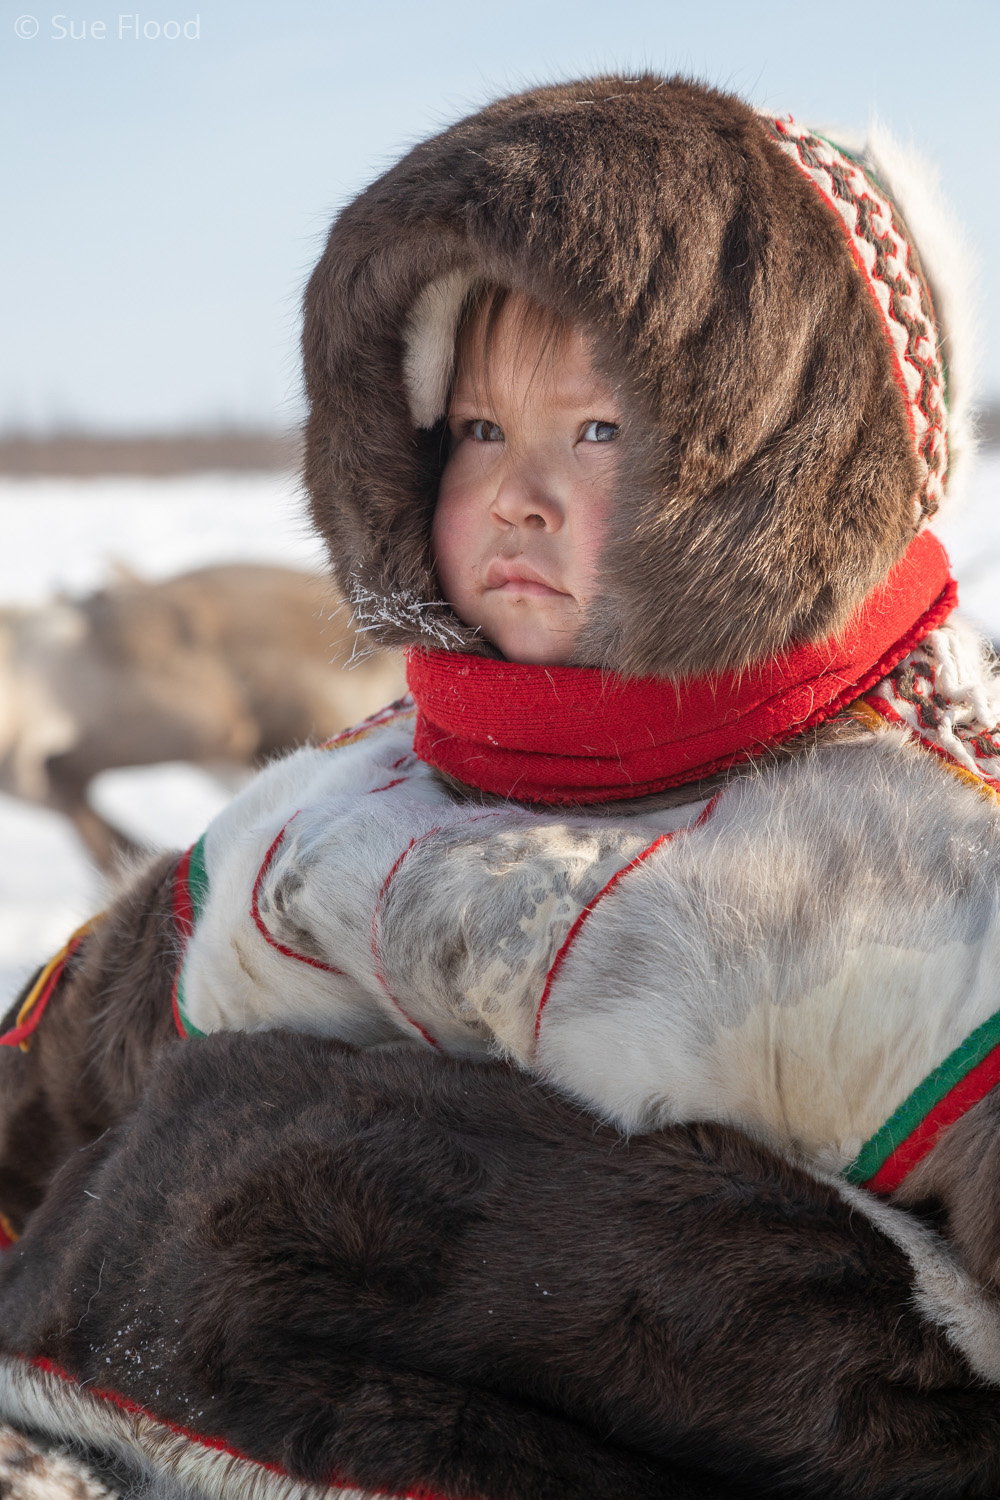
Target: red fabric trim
(571, 936)
(18, 1034)
(379, 901)
(899, 379)
(302, 958)
(572, 735)
(6, 1238)
(217, 1445)
(183, 911)
(976, 1084)
(134, 1408)
(397, 710)
(892, 716)
(376, 964)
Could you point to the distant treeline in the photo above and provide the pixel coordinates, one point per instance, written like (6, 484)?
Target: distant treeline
(85, 455)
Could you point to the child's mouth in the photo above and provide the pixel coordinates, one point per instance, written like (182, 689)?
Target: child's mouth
(519, 578)
(529, 586)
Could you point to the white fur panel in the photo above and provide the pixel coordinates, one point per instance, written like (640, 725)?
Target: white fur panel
(185, 1468)
(235, 979)
(445, 916)
(798, 964)
(429, 346)
(442, 917)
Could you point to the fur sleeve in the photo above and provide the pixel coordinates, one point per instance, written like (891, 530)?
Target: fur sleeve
(84, 1065)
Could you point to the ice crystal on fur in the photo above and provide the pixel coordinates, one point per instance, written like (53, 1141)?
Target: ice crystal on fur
(403, 610)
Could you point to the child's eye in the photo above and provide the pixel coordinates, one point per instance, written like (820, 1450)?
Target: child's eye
(600, 432)
(486, 432)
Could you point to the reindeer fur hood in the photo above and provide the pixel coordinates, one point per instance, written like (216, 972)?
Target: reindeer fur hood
(769, 474)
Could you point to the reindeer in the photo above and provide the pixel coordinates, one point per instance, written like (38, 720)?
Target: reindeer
(222, 667)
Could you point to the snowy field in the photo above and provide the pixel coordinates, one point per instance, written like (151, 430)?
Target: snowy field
(68, 535)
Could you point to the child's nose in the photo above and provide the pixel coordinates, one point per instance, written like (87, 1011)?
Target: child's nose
(517, 503)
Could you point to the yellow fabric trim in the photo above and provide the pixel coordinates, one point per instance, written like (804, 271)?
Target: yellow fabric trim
(864, 712)
(971, 779)
(38, 988)
(873, 720)
(352, 736)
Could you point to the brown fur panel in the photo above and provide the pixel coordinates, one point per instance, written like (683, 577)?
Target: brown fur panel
(86, 1061)
(767, 470)
(471, 1289)
(958, 1185)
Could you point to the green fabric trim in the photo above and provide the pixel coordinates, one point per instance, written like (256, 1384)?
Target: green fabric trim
(198, 880)
(197, 884)
(189, 1026)
(877, 1150)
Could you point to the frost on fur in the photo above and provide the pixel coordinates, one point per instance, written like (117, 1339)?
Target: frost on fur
(402, 610)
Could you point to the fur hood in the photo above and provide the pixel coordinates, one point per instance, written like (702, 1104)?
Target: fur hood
(769, 473)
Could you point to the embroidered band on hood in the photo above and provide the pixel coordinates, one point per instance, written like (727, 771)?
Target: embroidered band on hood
(878, 244)
(573, 735)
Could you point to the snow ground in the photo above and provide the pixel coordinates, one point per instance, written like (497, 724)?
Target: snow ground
(69, 534)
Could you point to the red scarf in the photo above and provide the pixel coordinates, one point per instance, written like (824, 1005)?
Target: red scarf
(562, 735)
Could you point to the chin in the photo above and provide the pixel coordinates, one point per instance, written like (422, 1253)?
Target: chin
(536, 651)
(532, 639)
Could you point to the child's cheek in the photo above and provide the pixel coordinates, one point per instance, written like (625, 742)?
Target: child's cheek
(452, 542)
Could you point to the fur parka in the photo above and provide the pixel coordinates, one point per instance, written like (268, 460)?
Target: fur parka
(836, 907)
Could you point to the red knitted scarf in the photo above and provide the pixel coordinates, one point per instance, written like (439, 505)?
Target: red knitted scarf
(563, 735)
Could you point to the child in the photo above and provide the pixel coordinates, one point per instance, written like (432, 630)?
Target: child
(626, 417)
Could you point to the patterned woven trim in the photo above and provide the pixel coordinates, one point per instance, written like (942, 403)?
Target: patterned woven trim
(876, 237)
(912, 698)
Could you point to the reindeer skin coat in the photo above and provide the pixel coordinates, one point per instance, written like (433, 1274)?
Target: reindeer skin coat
(835, 903)
(794, 957)
(799, 953)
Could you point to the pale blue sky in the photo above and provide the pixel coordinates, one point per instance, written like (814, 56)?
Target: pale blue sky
(165, 199)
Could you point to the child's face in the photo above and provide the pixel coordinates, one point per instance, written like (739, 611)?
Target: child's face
(526, 491)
